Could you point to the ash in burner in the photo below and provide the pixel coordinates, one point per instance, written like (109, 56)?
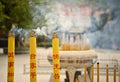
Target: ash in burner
(74, 41)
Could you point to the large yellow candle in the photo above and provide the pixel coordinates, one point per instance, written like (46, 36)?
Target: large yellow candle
(11, 49)
(33, 75)
(92, 70)
(98, 72)
(56, 58)
(115, 73)
(85, 69)
(107, 74)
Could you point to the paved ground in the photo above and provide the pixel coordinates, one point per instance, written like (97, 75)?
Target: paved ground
(22, 59)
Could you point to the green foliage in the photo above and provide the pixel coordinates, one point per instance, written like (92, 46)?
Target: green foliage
(2, 14)
(40, 1)
(44, 44)
(21, 13)
(42, 41)
(17, 11)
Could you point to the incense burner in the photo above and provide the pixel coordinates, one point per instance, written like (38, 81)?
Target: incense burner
(73, 60)
(77, 59)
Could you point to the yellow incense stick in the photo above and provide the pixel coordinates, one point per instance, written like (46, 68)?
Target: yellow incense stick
(33, 75)
(11, 49)
(56, 59)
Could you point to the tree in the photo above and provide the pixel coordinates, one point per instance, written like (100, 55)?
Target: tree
(2, 14)
(15, 11)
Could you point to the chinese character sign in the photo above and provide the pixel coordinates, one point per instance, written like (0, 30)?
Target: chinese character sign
(56, 59)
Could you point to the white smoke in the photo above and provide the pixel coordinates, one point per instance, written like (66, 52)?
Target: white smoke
(58, 20)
